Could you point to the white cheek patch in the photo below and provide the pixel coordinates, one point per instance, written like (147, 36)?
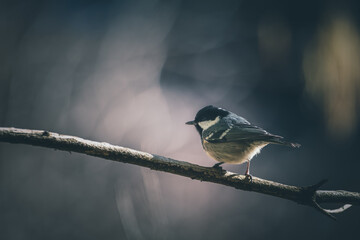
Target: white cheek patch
(206, 124)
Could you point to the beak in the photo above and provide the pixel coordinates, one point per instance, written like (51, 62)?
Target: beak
(191, 123)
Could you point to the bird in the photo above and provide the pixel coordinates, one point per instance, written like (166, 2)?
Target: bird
(230, 138)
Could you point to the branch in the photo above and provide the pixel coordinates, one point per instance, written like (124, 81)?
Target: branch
(309, 196)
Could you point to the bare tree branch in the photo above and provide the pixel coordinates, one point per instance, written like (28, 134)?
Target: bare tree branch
(309, 195)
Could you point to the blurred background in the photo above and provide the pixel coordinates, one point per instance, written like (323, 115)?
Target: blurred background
(132, 73)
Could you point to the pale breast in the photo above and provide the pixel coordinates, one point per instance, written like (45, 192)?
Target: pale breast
(233, 152)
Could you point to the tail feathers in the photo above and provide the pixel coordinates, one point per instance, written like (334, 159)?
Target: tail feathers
(290, 144)
(279, 140)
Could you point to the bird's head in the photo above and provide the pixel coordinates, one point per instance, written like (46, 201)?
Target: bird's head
(207, 117)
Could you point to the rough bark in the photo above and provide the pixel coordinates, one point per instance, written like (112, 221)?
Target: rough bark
(309, 195)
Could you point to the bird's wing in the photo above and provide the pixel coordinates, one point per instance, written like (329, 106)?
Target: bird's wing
(238, 133)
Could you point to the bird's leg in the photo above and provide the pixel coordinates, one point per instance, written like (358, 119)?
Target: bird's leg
(217, 165)
(247, 173)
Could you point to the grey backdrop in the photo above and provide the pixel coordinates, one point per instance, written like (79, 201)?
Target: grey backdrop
(133, 72)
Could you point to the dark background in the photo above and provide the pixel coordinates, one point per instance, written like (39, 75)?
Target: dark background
(133, 72)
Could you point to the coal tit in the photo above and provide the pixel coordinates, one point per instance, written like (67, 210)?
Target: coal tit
(229, 138)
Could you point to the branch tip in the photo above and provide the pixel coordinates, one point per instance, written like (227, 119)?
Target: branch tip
(322, 210)
(316, 186)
